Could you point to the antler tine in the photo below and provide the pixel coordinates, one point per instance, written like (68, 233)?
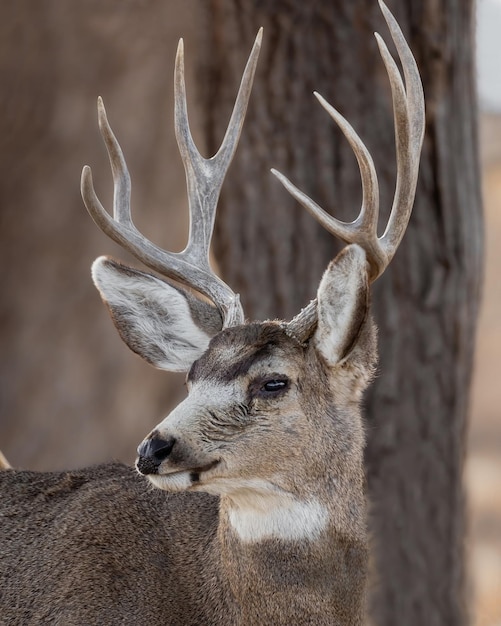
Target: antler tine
(204, 179)
(409, 115)
(121, 181)
(363, 230)
(408, 105)
(121, 229)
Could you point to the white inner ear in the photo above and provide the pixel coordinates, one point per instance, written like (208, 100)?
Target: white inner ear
(342, 303)
(152, 317)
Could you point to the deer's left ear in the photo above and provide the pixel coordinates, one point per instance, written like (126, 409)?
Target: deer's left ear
(164, 324)
(343, 304)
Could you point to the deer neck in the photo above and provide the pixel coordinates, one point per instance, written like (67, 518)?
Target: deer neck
(292, 559)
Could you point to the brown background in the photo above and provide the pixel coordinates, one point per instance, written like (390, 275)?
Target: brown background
(483, 466)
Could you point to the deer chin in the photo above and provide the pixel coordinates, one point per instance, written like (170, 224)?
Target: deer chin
(183, 480)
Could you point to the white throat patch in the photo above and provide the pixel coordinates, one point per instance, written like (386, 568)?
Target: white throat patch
(278, 516)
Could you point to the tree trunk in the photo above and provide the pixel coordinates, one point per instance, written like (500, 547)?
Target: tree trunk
(426, 303)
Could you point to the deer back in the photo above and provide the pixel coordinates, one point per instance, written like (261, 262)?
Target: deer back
(100, 546)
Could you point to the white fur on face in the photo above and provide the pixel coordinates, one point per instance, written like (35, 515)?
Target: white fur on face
(255, 517)
(178, 481)
(185, 417)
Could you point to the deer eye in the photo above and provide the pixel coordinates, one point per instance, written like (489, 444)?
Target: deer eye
(274, 385)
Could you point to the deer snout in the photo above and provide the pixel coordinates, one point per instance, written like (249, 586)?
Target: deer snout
(152, 451)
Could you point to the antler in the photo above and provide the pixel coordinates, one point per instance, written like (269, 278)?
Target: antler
(204, 179)
(409, 116)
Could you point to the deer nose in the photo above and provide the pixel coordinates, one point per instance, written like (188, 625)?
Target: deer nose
(152, 451)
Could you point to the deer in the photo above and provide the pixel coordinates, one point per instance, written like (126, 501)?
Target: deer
(247, 503)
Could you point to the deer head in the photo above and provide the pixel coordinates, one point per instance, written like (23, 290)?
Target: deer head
(257, 390)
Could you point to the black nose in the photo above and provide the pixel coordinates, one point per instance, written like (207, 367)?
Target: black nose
(152, 452)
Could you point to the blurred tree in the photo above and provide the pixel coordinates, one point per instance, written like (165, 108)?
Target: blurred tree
(426, 303)
(70, 391)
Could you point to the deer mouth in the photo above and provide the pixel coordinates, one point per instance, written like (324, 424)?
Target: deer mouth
(181, 479)
(195, 473)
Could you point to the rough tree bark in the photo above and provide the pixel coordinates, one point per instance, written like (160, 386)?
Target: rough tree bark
(425, 305)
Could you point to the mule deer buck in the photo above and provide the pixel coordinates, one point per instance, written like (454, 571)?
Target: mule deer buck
(259, 512)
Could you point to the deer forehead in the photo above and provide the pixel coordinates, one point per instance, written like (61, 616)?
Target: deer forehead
(247, 351)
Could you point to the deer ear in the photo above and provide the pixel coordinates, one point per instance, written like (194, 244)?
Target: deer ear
(166, 325)
(343, 304)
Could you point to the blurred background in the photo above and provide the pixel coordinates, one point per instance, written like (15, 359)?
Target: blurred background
(62, 362)
(483, 465)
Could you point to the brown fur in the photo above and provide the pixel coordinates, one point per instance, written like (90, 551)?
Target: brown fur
(101, 545)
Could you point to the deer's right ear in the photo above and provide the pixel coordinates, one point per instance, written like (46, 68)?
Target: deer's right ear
(343, 304)
(166, 325)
